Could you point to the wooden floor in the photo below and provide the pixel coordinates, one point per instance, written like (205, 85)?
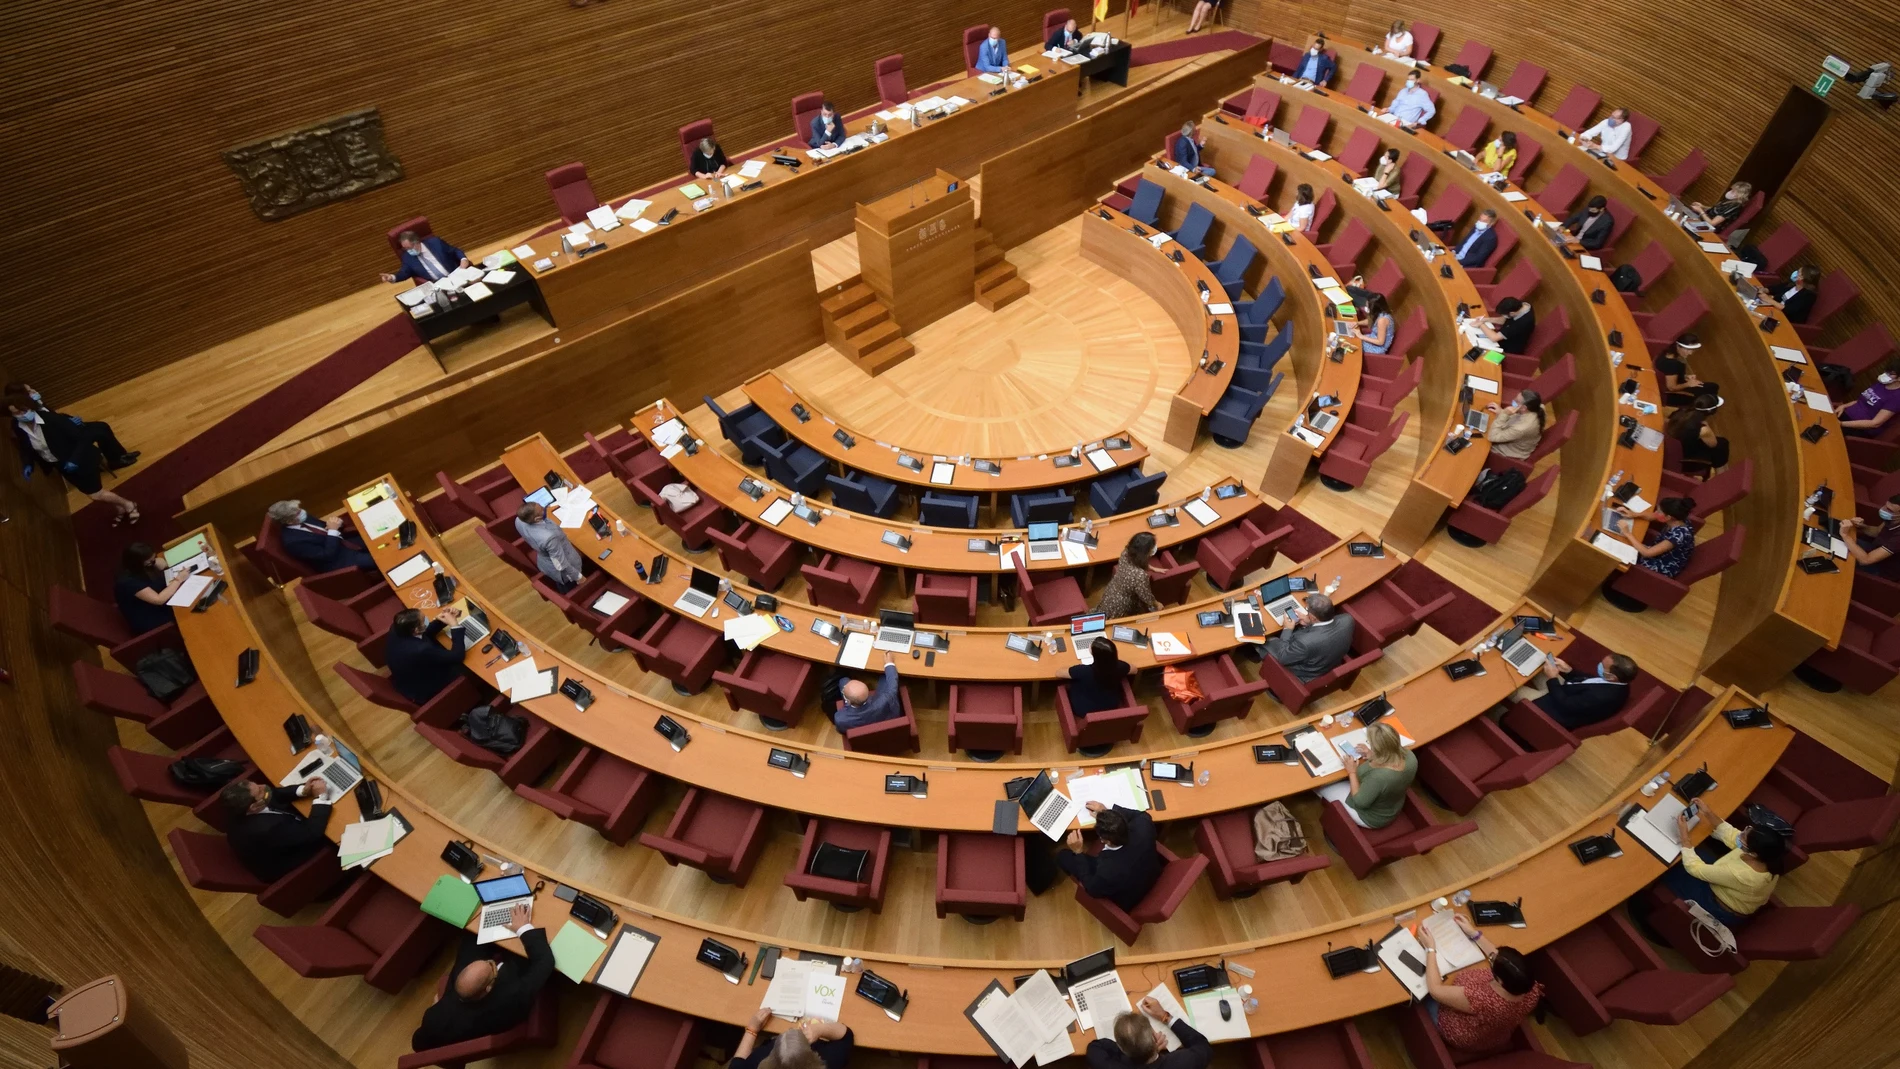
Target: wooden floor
(1084, 354)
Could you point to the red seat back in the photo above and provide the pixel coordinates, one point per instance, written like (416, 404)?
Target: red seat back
(972, 41)
(690, 136)
(805, 108)
(573, 193)
(1527, 79)
(890, 80)
(1575, 111)
(419, 224)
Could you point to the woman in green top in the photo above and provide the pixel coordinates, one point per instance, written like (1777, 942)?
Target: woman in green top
(1740, 880)
(1375, 785)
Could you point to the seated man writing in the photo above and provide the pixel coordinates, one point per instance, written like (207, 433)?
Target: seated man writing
(1138, 1042)
(490, 991)
(1128, 865)
(861, 706)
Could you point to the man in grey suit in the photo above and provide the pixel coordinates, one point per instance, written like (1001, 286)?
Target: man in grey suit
(1317, 639)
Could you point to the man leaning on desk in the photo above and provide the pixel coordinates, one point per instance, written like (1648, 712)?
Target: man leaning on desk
(1137, 1042)
(428, 258)
(858, 705)
(1128, 866)
(1576, 700)
(992, 56)
(267, 833)
(1065, 38)
(826, 127)
(491, 991)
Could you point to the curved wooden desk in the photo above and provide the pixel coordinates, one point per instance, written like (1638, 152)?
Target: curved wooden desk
(776, 398)
(1109, 238)
(1558, 896)
(1770, 615)
(1571, 569)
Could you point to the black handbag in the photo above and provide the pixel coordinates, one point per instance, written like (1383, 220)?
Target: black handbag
(207, 772)
(495, 731)
(165, 674)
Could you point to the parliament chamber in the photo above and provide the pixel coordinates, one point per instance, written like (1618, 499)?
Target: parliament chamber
(1387, 459)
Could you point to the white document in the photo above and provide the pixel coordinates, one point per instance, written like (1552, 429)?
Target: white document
(1514, 196)
(1121, 787)
(602, 218)
(366, 836)
(669, 432)
(1173, 1005)
(402, 573)
(750, 630)
(1158, 240)
(1792, 356)
(1010, 556)
(189, 590)
(1203, 1013)
(1325, 282)
(1312, 438)
(1403, 942)
(1058, 1047)
(476, 291)
(1318, 156)
(523, 252)
(824, 992)
(1074, 553)
(1003, 1021)
(1220, 309)
(632, 209)
(1637, 503)
(1164, 644)
(1098, 1001)
(791, 983)
(1615, 547)
(752, 169)
(941, 473)
(645, 225)
(856, 652)
(1590, 263)
(498, 277)
(514, 673)
(530, 687)
(1656, 828)
(1202, 512)
(625, 962)
(571, 516)
(1712, 246)
(1455, 949)
(1737, 267)
(1480, 384)
(1320, 756)
(776, 511)
(581, 229)
(609, 603)
(1817, 401)
(1045, 1009)
(1100, 459)
(413, 297)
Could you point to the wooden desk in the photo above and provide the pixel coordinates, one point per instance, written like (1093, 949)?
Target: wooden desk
(933, 549)
(775, 397)
(817, 202)
(1109, 239)
(1769, 615)
(1558, 895)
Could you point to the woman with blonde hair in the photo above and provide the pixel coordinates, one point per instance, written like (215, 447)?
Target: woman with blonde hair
(1377, 777)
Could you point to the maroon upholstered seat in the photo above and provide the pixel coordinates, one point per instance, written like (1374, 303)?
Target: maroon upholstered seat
(1868, 656)
(91, 620)
(986, 717)
(183, 721)
(681, 650)
(1833, 803)
(1604, 971)
(1575, 112)
(1526, 80)
(1347, 463)
(1226, 840)
(602, 791)
(715, 833)
(690, 136)
(1648, 589)
(1170, 890)
(980, 875)
(692, 525)
(1169, 579)
(1478, 757)
(624, 1033)
(1384, 612)
(210, 865)
(573, 193)
(1324, 1046)
(759, 553)
(541, 1029)
(890, 80)
(805, 108)
(972, 41)
(1049, 598)
(1295, 693)
(868, 889)
(1772, 933)
(1225, 694)
(372, 930)
(776, 686)
(898, 735)
(363, 619)
(945, 599)
(1095, 733)
(148, 778)
(1429, 1050)
(439, 721)
(1237, 550)
(1414, 832)
(844, 583)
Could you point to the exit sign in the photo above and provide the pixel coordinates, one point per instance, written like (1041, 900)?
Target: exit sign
(1822, 84)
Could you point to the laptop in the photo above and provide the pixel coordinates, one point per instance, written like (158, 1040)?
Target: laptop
(895, 631)
(1277, 598)
(339, 774)
(1317, 416)
(1520, 652)
(1092, 623)
(1045, 541)
(1047, 808)
(474, 622)
(1283, 136)
(702, 592)
(1090, 975)
(499, 897)
(1478, 420)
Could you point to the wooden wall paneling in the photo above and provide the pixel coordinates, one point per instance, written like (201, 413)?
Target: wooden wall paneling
(704, 341)
(1050, 180)
(123, 114)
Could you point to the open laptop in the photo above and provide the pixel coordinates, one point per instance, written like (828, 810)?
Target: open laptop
(338, 774)
(1283, 136)
(1520, 652)
(1276, 596)
(895, 631)
(701, 592)
(1478, 420)
(474, 622)
(1088, 624)
(499, 897)
(1045, 541)
(1047, 808)
(1317, 415)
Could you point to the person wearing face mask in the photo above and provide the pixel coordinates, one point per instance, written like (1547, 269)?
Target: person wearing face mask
(1516, 428)
(1376, 326)
(1577, 699)
(1877, 541)
(992, 56)
(1315, 66)
(1867, 415)
(1797, 297)
(1591, 224)
(1680, 387)
(1500, 155)
(1413, 105)
(79, 450)
(1733, 872)
(1513, 326)
(1479, 242)
(1398, 41)
(324, 545)
(141, 589)
(490, 990)
(1386, 174)
(1611, 137)
(1671, 539)
(426, 258)
(1726, 209)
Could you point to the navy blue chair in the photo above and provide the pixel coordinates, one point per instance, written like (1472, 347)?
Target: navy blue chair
(1234, 415)
(1125, 491)
(742, 424)
(1262, 355)
(1146, 207)
(1054, 506)
(1231, 267)
(947, 510)
(1257, 313)
(1258, 379)
(1193, 232)
(863, 493)
(793, 465)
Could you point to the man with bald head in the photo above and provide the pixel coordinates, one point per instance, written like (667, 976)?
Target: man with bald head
(862, 705)
(489, 992)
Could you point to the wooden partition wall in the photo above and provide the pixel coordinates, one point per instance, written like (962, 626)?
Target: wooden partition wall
(706, 340)
(1050, 180)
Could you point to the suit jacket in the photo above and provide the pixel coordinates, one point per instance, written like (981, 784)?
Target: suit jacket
(1310, 651)
(318, 549)
(883, 704)
(992, 56)
(1574, 702)
(1186, 152)
(1797, 307)
(1123, 876)
(1195, 1052)
(279, 839)
(1591, 233)
(1326, 67)
(1063, 39)
(412, 263)
(1480, 250)
(826, 134)
(453, 1019)
(420, 667)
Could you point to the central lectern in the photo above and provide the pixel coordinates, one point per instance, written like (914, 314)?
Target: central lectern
(917, 250)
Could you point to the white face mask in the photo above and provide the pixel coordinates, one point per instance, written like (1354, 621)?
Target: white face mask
(1888, 515)
(1481, 226)
(29, 416)
(1885, 380)
(1314, 51)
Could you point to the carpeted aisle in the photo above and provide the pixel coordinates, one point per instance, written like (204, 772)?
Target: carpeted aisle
(1188, 47)
(159, 488)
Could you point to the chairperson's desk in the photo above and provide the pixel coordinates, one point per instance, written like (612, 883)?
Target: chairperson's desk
(1557, 895)
(1019, 474)
(815, 201)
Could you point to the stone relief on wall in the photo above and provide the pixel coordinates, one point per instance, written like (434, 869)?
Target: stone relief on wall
(324, 162)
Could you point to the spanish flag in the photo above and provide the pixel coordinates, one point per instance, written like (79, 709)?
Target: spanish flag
(1101, 10)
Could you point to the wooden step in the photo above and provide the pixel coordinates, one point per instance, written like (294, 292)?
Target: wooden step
(986, 256)
(863, 318)
(848, 300)
(886, 356)
(995, 275)
(872, 337)
(1008, 293)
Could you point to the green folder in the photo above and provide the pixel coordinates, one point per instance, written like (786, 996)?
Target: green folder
(576, 950)
(1496, 356)
(692, 191)
(1345, 311)
(451, 899)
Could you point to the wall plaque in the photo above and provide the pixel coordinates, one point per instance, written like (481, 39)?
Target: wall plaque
(324, 162)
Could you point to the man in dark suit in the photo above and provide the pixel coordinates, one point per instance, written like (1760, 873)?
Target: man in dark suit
(1475, 248)
(1315, 65)
(1315, 641)
(1065, 38)
(1591, 223)
(428, 258)
(419, 666)
(490, 991)
(267, 833)
(324, 546)
(1128, 866)
(48, 439)
(1576, 700)
(1137, 1043)
(826, 127)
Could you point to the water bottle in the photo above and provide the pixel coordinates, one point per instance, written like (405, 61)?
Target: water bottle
(620, 527)
(1202, 779)
(1462, 897)
(1248, 1004)
(324, 745)
(1206, 492)
(1334, 585)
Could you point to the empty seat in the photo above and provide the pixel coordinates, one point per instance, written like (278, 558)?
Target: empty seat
(1478, 757)
(1127, 490)
(1234, 414)
(1714, 494)
(1335, 1045)
(947, 510)
(1575, 111)
(573, 193)
(862, 493)
(1384, 613)
(1836, 291)
(1467, 129)
(986, 719)
(1604, 971)
(1344, 252)
(1235, 551)
(1560, 193)
(624, 1033)
(764, 556)
(1231, 270)
(1309, 129)
(890, 80)
(843, 583)
(685, 652)
(980, 876)
(1526, 81)
(1048, 598)
(793, 465)
(1146, 207)
(1356, 156)
(1349, 460)
(944, 599)
(1257, 177)
(1866, 658)
(1683, 174)
(1778, 249)
(715, 833)
(775, 686)
(1227, 841)
(1051, 506)
(1365, 84)
(363, 619)
(1192, 233)
(1413, 833)
(372, 930)
(604, 792)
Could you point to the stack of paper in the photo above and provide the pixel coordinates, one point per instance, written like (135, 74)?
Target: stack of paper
(524, 680)
(1074, 553)
(602, 218)
(632, 209)
(367, 840)
(1032, 1023)
(1455, 950)
(804, 989)
(1202, 512)
(1792, 356)
(498, 277)
(188, 591)
(1655, 828)
(1317, 753)
(750, 630)
(416, 296)
(1122, 787)
(379, 519)
(751, 169)
(477, 291)
(523, 252)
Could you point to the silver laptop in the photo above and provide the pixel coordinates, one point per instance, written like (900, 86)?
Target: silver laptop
(1048, 809)
(474, 623)
(499, 897)
(1520, 652)
(701, 593)
(1324, 421)
(1283, 136)
(1281, 609)
(895, 631)
(1045, 541)
(1478, 420)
